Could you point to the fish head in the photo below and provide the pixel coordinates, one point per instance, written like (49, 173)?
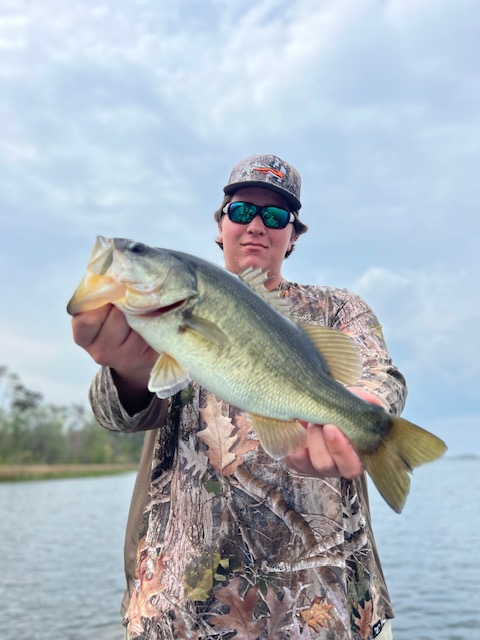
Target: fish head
(137, 279)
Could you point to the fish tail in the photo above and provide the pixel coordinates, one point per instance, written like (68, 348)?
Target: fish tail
(405, 447)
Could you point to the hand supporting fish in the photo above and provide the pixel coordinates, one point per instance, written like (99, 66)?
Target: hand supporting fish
(233, 338)
(327, 452)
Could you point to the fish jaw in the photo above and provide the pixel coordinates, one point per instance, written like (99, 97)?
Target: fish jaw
(136, 279)
(98, 286)
(95, 291)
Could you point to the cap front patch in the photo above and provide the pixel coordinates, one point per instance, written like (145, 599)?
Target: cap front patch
(275, 172)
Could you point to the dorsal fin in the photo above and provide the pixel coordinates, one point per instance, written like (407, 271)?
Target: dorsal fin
(255, 279)
(338, 350)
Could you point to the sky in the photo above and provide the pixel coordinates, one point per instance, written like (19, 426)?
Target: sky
(124, 118)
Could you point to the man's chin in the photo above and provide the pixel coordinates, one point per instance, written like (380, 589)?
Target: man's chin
(254, 262)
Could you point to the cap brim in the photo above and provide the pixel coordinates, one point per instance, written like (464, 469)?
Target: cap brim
(294, 202)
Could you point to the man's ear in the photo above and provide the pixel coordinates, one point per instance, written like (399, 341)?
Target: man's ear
(293, 239)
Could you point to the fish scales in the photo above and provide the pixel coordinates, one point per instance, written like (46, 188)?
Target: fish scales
(277, 373)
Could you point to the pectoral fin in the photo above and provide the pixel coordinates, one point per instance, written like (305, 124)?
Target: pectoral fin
(278, 437)
(167, 377)
(205, 328)
(339, 352)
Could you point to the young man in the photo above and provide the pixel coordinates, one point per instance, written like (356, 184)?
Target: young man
(271, 549)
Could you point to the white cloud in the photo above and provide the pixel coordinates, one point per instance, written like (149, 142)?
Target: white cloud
(305, 71)
(432, 313)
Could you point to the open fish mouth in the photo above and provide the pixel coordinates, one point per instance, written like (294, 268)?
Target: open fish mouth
(95, 291)
(153, 311)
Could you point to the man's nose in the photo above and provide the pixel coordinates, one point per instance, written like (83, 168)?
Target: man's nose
(256, 225)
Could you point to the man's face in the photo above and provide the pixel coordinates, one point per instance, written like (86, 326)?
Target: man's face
(254, 244)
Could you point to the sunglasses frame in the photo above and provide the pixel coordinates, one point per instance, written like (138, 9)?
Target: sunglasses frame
(259, 211)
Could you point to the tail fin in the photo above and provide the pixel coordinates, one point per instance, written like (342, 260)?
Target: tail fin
(405, 447)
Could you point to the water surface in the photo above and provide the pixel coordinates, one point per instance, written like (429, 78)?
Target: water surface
(430, 552)
(61, 574)
(61, 566)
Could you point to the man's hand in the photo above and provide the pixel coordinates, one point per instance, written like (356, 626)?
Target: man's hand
(106, 336)
(328, 453)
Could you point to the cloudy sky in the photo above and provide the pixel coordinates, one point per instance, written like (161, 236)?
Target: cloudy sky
(124, 118)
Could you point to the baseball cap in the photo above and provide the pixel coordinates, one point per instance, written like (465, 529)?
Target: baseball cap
(269, 172)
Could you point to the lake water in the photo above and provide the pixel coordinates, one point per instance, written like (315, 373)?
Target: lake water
(61, 563)
(61, 556)
(431, 552)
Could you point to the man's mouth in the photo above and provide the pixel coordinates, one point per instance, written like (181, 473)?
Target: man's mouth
(256, 245)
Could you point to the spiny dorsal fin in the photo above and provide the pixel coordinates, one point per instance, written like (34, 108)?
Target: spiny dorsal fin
(339, 352)
(255, 279)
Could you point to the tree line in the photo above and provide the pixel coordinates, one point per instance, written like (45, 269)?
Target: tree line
(33, 431)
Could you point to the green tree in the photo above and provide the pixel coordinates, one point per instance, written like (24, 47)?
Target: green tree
(34, 432)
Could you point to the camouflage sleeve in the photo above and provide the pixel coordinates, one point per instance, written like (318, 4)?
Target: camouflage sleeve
(380, 376)
(109, 412)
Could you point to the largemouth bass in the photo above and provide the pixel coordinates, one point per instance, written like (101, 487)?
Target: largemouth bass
(235, 338)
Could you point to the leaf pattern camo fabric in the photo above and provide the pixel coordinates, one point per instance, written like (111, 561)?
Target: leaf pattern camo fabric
(223, 541)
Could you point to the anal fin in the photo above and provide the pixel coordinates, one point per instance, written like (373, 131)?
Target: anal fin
(278, 437)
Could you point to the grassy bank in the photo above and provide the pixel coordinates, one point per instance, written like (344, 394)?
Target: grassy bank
(12, 472)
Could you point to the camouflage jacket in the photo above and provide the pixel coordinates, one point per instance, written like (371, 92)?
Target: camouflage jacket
(222, 541)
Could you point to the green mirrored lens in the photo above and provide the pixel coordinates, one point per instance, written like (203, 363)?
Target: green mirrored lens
(275, 217)
(242, 212)
(272, 217)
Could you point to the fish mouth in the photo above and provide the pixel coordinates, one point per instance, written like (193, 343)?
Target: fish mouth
(95, 291)
(109, 280)
(153, 311)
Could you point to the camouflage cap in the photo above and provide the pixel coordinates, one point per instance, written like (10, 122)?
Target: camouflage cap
(270, 172)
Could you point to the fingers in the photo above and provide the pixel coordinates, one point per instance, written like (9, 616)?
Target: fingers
(86, 326)
(343, 455)
(328, 453)
(366, 395)
(106, 336)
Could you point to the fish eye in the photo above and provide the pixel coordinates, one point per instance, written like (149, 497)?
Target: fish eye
(138, 248)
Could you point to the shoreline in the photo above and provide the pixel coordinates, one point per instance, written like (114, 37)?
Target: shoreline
(28, 472)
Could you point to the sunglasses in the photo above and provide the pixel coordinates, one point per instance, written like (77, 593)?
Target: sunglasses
(272, 217)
